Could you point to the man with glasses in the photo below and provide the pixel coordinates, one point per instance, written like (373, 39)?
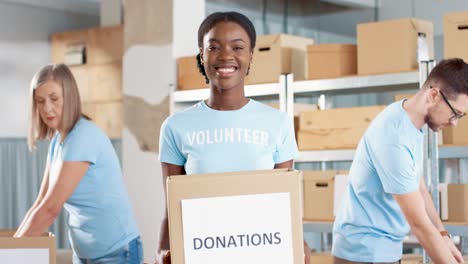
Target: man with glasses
(386, 195)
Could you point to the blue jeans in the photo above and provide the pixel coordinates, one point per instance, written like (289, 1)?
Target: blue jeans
(132, 253)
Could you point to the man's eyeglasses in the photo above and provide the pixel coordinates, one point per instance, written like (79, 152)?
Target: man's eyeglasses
(456, 115)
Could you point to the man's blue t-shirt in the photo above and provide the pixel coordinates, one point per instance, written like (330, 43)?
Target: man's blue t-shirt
(100, 216)
(204, 140)
(370, 225)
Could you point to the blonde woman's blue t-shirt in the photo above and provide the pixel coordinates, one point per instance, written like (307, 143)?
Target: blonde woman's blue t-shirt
(370, 226)
(204, 140)
(100, 216)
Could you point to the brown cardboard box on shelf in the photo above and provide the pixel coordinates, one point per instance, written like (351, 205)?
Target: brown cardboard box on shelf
(331, 60)
(25, 250)
(105, 45)
(298, 108)
(456, 35)
(102, 45)
(188, 76)
(108, 116)
(457, 202)
(105, 81)
(411, 259)
(323, 193)
(206, 207)
(81, 74)
(456, 135)
(99, 83)
(321, 258)
(339, 128)
(278, 54)
(392, 46)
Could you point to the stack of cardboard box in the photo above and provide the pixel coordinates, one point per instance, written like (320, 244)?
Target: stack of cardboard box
(95, 58)
(273, 55)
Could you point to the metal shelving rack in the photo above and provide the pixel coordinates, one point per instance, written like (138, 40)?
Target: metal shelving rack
(377, 84)
(286, 89)
(182, 99)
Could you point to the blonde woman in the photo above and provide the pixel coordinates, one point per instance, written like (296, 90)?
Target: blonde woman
(82, 175)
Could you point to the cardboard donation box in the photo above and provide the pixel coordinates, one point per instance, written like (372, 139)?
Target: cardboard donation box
(394, 45)
(246, 217)
(339, 128)
(331, 60)
(188, 75)
(278, 54)
(26, 250)
(456, 35)
(323, 193)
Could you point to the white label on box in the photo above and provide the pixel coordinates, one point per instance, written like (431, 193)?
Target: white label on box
(25, 255)
(443, 192)
(247, 229)
(423, 48)
(341, 181)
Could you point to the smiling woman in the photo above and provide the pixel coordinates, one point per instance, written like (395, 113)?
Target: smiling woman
(228, 132)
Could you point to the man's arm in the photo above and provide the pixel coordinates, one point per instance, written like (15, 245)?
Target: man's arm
(413, 207)
(435, 219)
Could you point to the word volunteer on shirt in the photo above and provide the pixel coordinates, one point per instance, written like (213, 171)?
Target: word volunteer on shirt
(235, 241)
(228, 135)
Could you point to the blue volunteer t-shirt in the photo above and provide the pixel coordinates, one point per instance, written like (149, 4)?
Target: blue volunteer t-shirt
(100, 216)
(205, 140)
(370, 225)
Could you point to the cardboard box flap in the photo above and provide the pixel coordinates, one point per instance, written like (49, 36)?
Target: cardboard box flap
(460, 18)
(210, 175)
(331, 48)
(427, 28)
(233, 184)
(282, 40)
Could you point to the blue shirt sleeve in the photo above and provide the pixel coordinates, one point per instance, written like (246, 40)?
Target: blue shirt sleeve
(169, 151)
(83, 143)
(286, 148)
(396, 168)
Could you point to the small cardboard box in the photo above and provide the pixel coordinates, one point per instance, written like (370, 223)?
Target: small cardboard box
(321, 258)
(26, 250)
(394, 45)
(323, 194)
(456, 35)
(457, 202)
(278, 54)
(188, 75)
(340, 60)
(209, 215)
(456, 135)
(340, 128)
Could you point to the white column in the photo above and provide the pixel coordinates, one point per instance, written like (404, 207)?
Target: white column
(149, 73)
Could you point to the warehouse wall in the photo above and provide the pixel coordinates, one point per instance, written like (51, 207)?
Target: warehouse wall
(24, 48)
